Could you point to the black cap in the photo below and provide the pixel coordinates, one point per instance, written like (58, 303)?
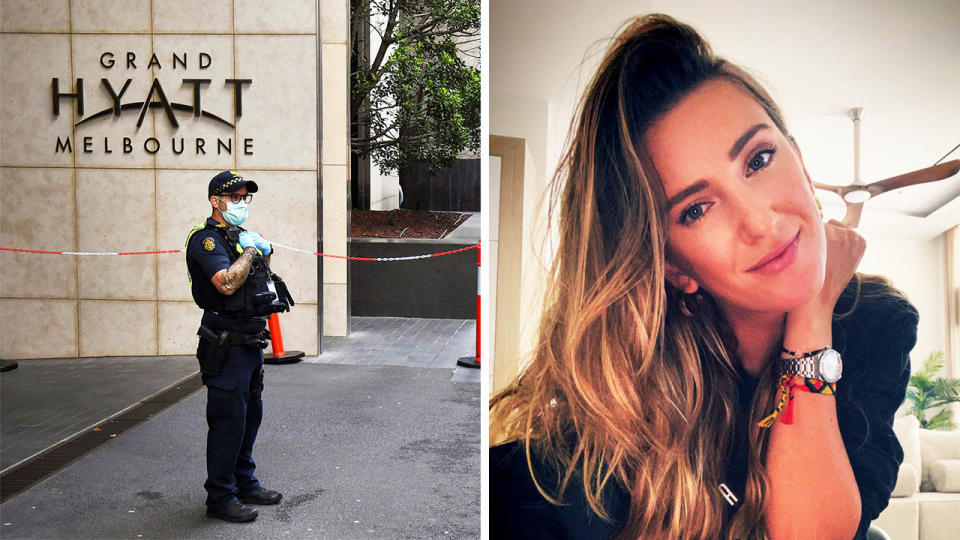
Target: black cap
(229, 181)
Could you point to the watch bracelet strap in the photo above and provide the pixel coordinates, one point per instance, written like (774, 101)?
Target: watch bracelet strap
(805, 365)
(787, 385)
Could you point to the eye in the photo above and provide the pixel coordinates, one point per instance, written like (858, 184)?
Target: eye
(760, 160)
(693, 213)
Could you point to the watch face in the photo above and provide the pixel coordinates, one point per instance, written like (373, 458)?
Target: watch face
(830, 366)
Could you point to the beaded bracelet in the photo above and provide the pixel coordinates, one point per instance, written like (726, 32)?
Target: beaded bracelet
(788, 385)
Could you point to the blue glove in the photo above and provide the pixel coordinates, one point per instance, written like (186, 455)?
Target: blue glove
(252, 239)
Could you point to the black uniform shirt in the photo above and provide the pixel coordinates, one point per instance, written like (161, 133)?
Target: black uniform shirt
(207, 254)
(874, 341)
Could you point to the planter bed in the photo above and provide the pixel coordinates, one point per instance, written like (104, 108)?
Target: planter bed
(436, 288)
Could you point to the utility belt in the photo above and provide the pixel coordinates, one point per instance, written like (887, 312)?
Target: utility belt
(217, 321)
(233, 318)
(218, 342)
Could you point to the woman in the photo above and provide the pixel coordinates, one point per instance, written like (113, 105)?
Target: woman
(683, 386)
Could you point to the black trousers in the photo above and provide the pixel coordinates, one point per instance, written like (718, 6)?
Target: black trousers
(234, 412)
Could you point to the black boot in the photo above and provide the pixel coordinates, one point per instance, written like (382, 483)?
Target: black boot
(260, 496)
(235, 512)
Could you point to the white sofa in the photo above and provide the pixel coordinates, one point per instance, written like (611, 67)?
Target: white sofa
(925, 504)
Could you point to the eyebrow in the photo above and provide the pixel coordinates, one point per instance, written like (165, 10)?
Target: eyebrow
(686, 192)
(742, 141)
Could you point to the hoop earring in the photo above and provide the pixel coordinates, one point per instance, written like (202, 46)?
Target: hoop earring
(819, 206)
(697, 304)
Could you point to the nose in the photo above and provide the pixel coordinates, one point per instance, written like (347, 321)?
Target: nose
(757, 216)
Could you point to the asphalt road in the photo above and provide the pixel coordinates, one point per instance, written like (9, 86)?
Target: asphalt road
(358, 451)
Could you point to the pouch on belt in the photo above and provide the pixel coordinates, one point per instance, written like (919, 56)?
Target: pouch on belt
(213, 347)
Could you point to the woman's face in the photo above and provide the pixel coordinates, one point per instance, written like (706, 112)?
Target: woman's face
(743, 221)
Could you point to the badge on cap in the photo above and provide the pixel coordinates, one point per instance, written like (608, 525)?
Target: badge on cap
(208, 244)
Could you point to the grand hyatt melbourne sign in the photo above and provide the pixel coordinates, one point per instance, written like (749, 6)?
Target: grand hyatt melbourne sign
(156, 98)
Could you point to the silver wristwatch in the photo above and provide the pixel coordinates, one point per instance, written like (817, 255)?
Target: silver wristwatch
(825, 365)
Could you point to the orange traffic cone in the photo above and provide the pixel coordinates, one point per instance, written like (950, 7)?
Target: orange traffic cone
(474, 361)
(279, 355)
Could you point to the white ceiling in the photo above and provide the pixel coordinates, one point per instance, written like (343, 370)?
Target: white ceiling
(899, 60)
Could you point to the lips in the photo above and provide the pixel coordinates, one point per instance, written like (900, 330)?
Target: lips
(779, 257)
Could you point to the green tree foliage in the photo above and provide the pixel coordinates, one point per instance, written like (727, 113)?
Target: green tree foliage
(926, 393)
(418, 99)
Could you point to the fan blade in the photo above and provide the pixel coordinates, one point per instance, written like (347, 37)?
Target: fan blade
(922, 176)
(839, 190)
(852, 217)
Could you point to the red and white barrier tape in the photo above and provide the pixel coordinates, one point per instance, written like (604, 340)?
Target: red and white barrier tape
(318, 254)
(44, 252)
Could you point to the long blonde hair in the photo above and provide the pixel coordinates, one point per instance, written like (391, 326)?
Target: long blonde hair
(622, 387)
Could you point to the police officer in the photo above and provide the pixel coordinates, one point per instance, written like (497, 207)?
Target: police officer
(220, 258)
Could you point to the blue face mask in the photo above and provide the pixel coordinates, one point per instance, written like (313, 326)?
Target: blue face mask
(236, 213)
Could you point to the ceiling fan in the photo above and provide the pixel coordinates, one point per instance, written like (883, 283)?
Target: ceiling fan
(857, 193)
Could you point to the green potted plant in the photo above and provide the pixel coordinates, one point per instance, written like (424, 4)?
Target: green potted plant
(927, 393)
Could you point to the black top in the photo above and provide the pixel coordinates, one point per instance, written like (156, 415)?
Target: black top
(874, 341)
(208, 252)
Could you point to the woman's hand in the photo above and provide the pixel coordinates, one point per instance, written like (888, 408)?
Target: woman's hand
(808, 326)
(844, 250)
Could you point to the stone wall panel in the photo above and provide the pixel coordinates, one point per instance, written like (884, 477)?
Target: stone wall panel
(280, 106)
(116, 213)
(110, 16)
(38, 328)
(29, 129)
(118, 328)
(37, 212)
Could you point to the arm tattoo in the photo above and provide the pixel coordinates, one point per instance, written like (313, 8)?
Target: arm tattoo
(237, 274)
